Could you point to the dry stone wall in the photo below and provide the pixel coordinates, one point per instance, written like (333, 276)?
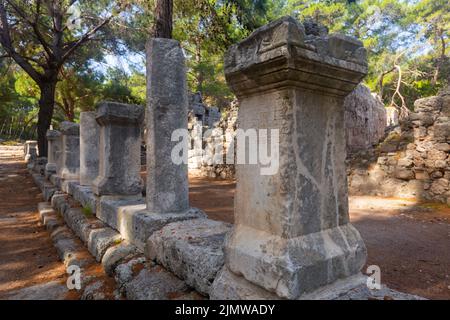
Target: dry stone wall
(212, 138)
(413, 161)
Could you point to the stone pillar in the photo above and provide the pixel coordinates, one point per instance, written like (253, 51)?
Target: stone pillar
(30, 150)
(119, 150)
(89, 140)
(292, 233)
(53, 138)
(167, 109)
(70, 151)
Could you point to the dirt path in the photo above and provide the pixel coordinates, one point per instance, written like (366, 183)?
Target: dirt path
(27, 256)
(409, 242)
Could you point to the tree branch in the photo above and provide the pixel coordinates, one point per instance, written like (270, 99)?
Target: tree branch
(34, 26)
(83, 39)
(5, 40)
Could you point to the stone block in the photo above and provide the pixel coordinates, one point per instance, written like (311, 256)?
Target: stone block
(137, 224)
(167, 111)
(119, 149)
(89, 148)
(292, 233)
(110, 208)
(114, 255)
(228, 286)
(70, 148)
(86, 197)
(100, 240)
(155, 284)
(192, 250)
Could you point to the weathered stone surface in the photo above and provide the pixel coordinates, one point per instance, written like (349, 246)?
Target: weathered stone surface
(93, 291)
(292, 232)
(110, 208)
(54, 145)
(59, 202)
(365, 119)
(155, 284)
(56, 180)
(353, 288)
(70, 148)
(80, 224)
(89, 152)
(192, 250)
(114, 255)
(43, 209)
(30, 150)
(119, 149)
(137, 224)
(100, 240)
(228, 286)
(125, 272)
(167, 109)
(418, 159)
(404, 174)
(86, 197)
(66, 249)
(286, 38)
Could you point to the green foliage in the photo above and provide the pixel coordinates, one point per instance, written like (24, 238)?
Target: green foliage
(87, 211)
(411, 35)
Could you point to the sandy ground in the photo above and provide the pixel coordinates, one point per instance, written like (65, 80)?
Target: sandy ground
(410, 242)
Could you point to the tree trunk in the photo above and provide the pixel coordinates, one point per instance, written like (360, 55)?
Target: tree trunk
(46, 106)
(198, 60)
(163, 19)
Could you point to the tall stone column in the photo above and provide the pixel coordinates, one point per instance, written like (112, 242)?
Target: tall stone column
(292, 233)
(167, 109)
(89, 141)
(53, 138)
(119, 150)
(70, 151)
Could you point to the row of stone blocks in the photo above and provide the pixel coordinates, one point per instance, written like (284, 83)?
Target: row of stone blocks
(136, 276)
(190, 250)
(292, 234)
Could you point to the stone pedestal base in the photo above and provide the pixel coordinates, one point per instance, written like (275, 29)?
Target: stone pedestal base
(292, 267)
(129, 216)
(85, 196)
(228, 286)
(56, 180)
(50, 168)
(137, 225)
(66, 185)
(191, 249)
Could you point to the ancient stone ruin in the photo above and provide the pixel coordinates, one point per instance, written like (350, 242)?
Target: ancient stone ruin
(365, 119)
(292, 238)
(216, 130)
(413, 160)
